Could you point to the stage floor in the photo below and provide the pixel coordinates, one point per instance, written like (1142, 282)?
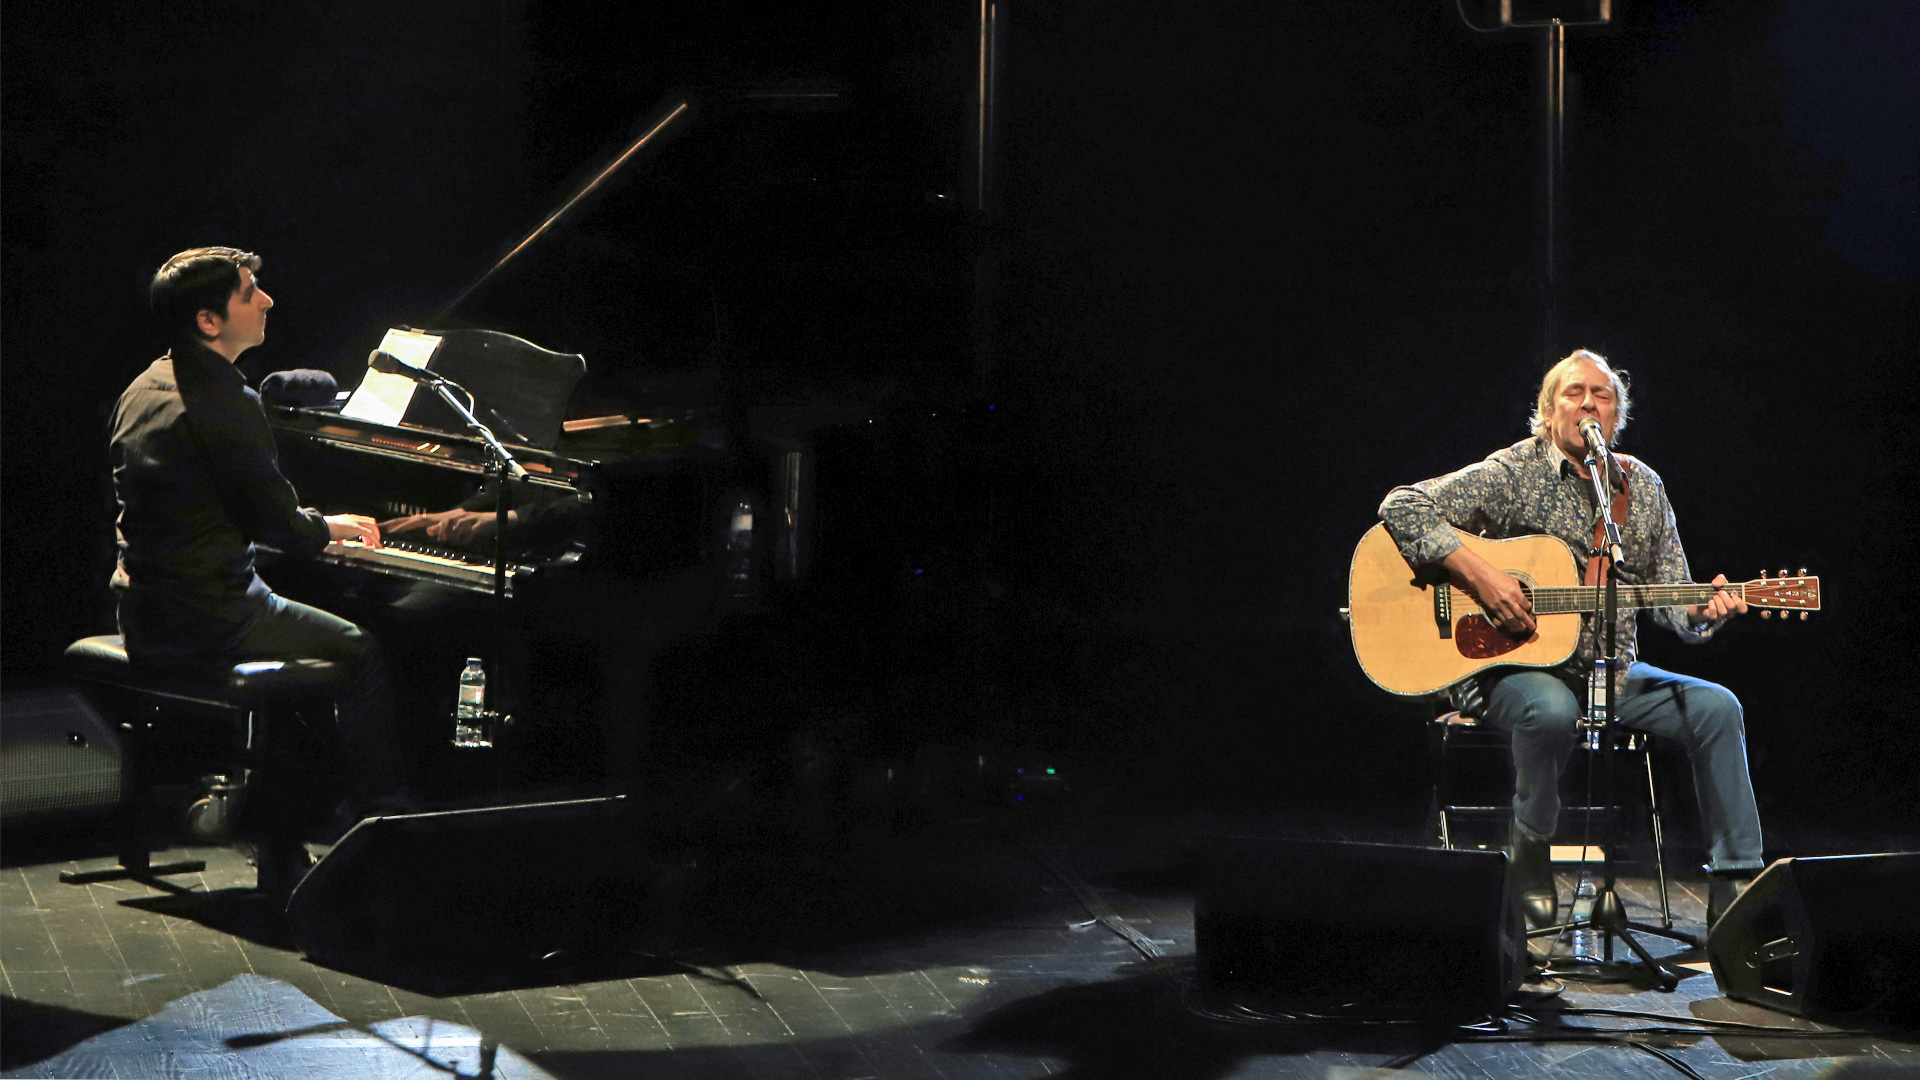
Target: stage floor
(996, 942)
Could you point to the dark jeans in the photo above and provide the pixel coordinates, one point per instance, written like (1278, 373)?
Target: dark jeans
(1543, 712)
(363, 711)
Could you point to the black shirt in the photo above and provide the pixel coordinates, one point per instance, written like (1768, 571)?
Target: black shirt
(198, 481)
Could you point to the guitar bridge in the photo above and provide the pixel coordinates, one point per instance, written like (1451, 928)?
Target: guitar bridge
(1443, 608)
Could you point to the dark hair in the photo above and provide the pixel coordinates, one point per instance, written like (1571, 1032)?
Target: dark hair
(196, 280)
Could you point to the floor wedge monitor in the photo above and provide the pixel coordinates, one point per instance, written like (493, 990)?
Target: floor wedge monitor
(1357, 929)
(56, 755)
(472, 893)
(1829, 938)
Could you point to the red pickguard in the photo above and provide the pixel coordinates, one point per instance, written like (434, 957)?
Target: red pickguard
(1478, 639)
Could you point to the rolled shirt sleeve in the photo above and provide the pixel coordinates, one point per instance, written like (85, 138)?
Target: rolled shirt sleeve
(1477, 498)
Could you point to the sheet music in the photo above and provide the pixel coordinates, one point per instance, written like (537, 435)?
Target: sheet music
(381, 398)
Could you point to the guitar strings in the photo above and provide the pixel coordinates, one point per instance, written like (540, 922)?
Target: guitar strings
(1572, 599)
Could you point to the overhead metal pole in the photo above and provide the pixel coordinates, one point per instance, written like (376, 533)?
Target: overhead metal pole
(982, 195)
(1530, 16)
(1556, 163)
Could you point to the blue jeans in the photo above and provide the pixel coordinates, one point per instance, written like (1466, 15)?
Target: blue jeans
(363, 710)
(1542, 711)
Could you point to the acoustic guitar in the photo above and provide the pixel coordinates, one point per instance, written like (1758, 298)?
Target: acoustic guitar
(1415, 634)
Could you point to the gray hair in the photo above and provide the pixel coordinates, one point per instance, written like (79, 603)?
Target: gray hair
(1556, 378)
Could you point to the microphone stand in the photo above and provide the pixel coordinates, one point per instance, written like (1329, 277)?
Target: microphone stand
(505, 468)
(1602, 728)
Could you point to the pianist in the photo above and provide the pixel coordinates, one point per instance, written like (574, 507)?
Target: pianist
(197, 480)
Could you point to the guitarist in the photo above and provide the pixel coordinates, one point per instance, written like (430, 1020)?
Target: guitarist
(1540, 485)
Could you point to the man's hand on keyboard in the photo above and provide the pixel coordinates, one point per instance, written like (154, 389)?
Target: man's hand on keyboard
(459, 527)
(353, 527)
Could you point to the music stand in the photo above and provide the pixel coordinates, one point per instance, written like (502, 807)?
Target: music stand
(524, 387)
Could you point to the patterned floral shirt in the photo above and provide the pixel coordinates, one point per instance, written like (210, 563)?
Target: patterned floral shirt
(1532, 487)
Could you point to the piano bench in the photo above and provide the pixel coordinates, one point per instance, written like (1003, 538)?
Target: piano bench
(253, 692)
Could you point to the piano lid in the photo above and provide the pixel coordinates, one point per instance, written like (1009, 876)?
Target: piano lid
(522, 383)
(436, 449)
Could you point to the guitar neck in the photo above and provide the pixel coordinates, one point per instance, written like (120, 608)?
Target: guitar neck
(1594, 597)
(1562, 599)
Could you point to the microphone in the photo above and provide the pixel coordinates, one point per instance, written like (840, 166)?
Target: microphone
(1596, 442)
(388, 364)
(1597, 446)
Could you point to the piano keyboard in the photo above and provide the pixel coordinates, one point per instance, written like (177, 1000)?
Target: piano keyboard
(422, 562)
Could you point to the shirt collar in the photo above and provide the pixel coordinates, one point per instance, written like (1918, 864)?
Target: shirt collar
(1569, 467)
(1561, 458)
(206, 360)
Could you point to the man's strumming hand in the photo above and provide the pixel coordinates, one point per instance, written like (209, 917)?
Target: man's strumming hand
(1505, 602)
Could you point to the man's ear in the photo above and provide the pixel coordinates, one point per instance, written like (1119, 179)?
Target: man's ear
(209, 322)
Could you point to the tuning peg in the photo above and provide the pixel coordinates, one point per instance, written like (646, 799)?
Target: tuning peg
(1783, 571)
(1763, 575)
(1766, 614)
(1804, 614)
(1803, 571)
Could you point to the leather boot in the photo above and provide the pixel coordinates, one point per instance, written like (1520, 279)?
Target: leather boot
(1723, 888)
(1530, 878)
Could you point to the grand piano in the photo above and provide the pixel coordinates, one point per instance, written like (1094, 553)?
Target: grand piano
(619, 495)
(634, 529)
(655, 508)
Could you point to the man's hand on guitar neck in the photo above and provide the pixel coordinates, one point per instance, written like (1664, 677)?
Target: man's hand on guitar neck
(1498, 594)
(1723, 606)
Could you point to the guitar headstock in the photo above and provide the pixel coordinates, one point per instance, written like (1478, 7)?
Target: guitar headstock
(1785, 593)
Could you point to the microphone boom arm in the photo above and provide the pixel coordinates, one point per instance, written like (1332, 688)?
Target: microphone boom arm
(508, 462)
(388, 364)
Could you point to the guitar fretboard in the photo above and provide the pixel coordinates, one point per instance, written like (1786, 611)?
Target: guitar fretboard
(1791, 593)
(1565, 598)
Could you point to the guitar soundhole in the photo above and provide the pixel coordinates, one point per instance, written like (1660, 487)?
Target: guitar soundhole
(1478, 639)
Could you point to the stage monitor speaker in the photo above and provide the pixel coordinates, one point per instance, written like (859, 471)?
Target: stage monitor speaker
(1358, 929)
(56, 755)
(468, 892)
(1828, 938)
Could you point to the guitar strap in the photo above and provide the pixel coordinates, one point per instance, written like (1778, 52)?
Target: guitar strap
(1596, 558)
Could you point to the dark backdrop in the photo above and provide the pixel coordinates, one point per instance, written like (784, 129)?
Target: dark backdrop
(1256, 264)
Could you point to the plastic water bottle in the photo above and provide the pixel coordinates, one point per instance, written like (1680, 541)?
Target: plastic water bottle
(1596, 703)
(470, 715)
(1585, 942)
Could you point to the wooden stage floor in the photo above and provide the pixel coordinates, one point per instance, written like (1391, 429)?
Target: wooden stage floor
(1010, 942)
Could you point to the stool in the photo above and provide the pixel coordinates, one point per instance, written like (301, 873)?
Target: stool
(1450, 729)
(252, 692)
